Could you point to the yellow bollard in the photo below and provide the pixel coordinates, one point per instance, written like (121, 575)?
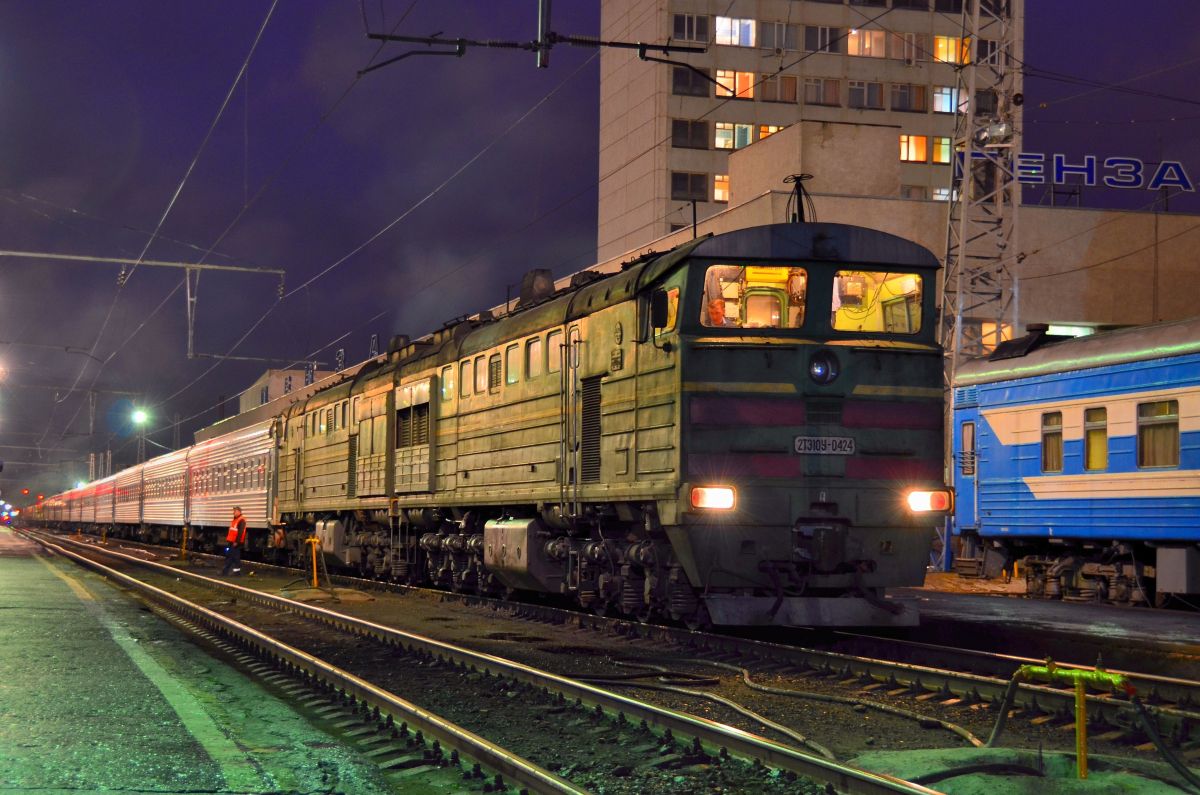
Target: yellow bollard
(103, 535)
(183, 544)
(314, 542)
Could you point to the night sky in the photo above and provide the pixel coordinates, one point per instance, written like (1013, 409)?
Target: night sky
(315, 171)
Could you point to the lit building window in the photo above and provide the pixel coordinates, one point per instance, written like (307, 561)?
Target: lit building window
(822, 39)
(734, 31)
(721, 187)
(767, 130)
(822, 91)
(778, 88)
(945, 99)
(734, 136)
(867, 43)
(991, 334)
(778, 36)
(866, 95)
(914, 148)
(735, 84)
(950, 49)
(690, 27)
(941, 194)
(941, 149)
(909, 97)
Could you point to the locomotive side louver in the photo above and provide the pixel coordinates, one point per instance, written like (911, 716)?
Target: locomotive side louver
(589, 443)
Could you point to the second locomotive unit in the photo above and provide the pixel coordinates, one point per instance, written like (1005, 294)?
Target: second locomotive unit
(744, 430)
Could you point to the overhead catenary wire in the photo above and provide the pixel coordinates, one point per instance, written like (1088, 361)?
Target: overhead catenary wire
(267, 183)
(167, 211)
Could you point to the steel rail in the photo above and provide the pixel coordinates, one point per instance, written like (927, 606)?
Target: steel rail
(1179, 722)
(842, 777)
(512, 767)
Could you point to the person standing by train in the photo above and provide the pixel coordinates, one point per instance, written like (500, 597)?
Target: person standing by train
(233, 544)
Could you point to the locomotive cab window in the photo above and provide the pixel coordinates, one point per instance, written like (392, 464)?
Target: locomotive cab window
(753, 296)
(1052, 442)
(876, 302)
(1158, 434)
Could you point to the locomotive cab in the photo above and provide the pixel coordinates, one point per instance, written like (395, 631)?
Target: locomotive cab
(811, 392)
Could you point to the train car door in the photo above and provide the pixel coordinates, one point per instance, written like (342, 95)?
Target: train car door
(966, 473)
(570, 420)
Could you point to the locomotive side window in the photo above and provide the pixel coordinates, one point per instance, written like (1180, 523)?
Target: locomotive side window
(967, 464)
(464, 380)
(554, 351)
(1095, 439)
(447, 384)
(1158, 434)
(1052, 442)
(672, 312)
(512, 364)
(481, 375)
(752, 296)
(877, 302)
(533, 358)
(494, 374)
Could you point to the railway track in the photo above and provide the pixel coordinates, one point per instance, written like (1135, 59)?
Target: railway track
(919, 671)
(687, 741)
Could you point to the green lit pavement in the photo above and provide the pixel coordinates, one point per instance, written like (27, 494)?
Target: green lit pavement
(99, 694)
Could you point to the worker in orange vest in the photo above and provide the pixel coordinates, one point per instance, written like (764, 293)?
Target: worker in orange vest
(233, 544)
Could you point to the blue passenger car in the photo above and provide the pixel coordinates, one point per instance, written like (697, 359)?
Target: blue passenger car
(1081, 459)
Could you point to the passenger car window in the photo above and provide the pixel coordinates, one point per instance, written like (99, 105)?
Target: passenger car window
(1052, 442)
(1158, 434)
(1095, 439)
(753, 296)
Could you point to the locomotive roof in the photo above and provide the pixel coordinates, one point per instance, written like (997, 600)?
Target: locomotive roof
(1139, 343)
(818, 241)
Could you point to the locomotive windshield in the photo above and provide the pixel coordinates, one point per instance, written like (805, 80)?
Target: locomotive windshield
(877, 302)
(754, 296)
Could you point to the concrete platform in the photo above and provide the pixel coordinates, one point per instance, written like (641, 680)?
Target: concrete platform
(97, 693)
(1140, 638)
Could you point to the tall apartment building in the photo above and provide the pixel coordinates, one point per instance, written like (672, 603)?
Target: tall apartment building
(666, 130)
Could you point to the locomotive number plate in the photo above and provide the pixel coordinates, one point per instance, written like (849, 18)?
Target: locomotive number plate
(824, 445)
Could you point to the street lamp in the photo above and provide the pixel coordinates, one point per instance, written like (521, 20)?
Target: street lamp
(140, 417)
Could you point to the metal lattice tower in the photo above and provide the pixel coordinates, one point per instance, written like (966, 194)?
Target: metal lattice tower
(980, 280)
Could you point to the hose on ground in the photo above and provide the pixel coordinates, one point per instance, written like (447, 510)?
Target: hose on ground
(875, 705)
(1152, 732)
(1010, 693)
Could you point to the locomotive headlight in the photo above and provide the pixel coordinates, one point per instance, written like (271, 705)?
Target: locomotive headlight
(714, 498)
(823, 367)
(935, 501)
